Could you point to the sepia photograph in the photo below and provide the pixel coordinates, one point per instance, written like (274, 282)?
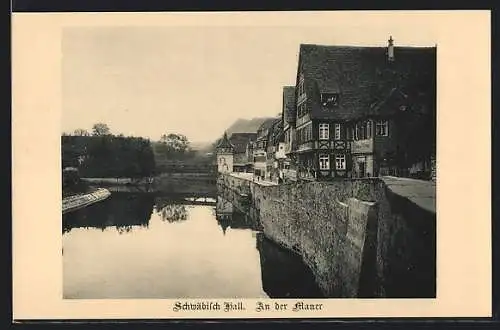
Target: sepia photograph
(316, 177)
(251, 165)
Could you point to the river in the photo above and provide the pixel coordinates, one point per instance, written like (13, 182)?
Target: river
(140, 245)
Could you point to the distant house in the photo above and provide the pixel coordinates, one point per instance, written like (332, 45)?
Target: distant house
(362, 111)
(240, 142)
(289, 117)
(275, 152)
(260, 148)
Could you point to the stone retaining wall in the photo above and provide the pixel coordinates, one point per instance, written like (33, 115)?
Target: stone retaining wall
(358, 239)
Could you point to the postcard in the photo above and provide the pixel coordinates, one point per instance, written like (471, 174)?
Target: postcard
(251, 165)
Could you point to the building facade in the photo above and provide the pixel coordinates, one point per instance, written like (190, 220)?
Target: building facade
(260, 149)
(362, 111)
(275, 153)
(225, 151)
(289, 117)
(240, 142)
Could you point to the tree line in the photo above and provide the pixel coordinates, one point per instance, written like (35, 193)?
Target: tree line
(102, 154)
(99, 153)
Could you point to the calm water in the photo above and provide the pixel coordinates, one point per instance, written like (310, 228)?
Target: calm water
(142, 246)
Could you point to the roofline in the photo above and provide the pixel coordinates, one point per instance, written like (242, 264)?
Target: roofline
(367, 47)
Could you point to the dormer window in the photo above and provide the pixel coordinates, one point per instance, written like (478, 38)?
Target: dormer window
(329, 99)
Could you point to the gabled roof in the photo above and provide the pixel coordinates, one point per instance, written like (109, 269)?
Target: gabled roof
(275, 132)
(289, 110)
(266, 125)
(241, 140)
(363, 76)
(225, 143)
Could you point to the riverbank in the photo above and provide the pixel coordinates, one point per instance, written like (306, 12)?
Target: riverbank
(181, 183)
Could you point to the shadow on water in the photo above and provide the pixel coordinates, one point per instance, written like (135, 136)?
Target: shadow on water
(120, 210)
(284, 274)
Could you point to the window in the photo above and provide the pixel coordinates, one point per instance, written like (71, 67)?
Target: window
(337, 131)
(340, 162)
(382, 128)
(329, 100)
(369, 129)
(301, 88)
(302, 110)
(356, 132)
(350, 132)
(323, 132)
(362, 131)
(324, 162)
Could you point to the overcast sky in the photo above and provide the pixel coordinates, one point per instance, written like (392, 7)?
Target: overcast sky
(146, 81)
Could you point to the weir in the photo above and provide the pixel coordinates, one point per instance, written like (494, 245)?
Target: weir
(360, 237)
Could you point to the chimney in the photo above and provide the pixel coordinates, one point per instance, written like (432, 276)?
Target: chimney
(390, 50)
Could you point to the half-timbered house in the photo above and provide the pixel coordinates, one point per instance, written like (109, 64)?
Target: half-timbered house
(260, 148)
(363, 111)
(240, 141)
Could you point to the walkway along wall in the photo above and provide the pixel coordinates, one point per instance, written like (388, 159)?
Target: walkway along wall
(358, 237)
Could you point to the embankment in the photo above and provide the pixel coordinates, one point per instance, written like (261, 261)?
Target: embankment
(359, 237)
(193, 184)
(76, 202)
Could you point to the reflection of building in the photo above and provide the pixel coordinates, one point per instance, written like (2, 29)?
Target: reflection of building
(229, 216)
(223, 213)
(224, 209)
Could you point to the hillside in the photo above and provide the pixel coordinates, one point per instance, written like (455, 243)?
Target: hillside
(246, 125)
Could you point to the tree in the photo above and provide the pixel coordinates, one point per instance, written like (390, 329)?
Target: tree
(81, 132)
(100, 129)
(176, 143)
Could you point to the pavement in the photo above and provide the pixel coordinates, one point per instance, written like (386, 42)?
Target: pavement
(250, 177)
(420, 192)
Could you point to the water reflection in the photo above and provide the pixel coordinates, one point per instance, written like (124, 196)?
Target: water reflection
(145, 246)
(229, 216)
(122, 211)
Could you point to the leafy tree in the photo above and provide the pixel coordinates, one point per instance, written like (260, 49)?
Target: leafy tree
(100, 129)
(81, 132)
(177, 143)
(109, 156)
